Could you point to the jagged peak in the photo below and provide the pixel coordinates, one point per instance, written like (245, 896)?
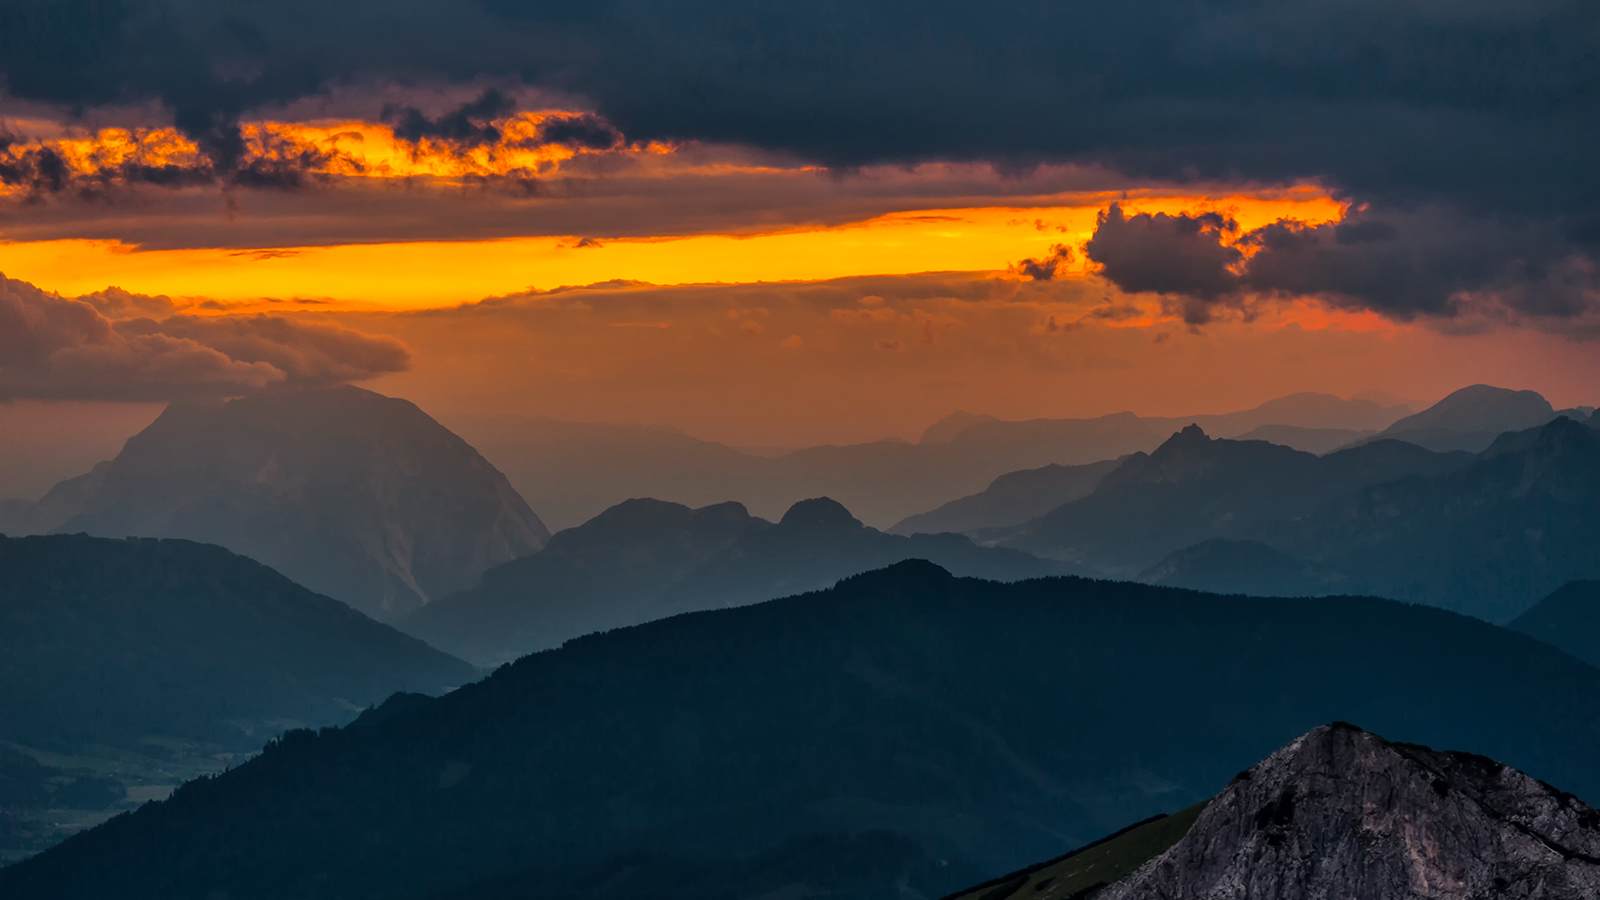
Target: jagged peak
(1191, 435)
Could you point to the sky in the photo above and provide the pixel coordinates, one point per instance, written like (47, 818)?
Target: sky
(779, 224)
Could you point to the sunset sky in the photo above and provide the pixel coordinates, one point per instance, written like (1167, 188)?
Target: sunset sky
(794, 223)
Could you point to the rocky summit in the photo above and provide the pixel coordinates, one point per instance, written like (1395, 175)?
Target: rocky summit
(1342, 813)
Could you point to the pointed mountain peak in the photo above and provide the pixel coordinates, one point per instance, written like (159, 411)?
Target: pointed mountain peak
(1360, 807)
(1190, 436)
(819, 513)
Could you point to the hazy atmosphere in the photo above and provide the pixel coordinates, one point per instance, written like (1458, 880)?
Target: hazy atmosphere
(504, 449)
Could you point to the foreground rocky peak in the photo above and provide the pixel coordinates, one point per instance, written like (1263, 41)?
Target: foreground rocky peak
(1341, 813)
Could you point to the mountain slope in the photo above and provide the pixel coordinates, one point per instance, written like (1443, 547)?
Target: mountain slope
(1469, 419)
(646, 559)
(1243, 567)
(1011, 499)
(131, 663)
(1568, 618)
(986, 724)
(1340, 812)
(353, 494)
(1488, 540)
(114, 640)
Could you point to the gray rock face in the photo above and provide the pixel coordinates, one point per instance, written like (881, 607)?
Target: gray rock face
(1341, 814)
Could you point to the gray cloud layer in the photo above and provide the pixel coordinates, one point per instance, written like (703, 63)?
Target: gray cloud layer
(103, 347)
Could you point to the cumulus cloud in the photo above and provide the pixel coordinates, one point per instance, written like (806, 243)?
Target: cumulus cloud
(1417, 263)
(103, 347)
(1165, 254)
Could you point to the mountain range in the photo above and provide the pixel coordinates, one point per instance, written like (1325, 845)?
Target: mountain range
(1486, 533)
(353, 494)
(572, 471)
(648, 559)
(1340, 812)
(911, 727)
(125, 664)
(1195, 488)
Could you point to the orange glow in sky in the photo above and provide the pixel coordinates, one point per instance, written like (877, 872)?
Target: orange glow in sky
(441, 273)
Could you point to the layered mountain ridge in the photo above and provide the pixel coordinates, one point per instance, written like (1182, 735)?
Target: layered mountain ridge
(647, 559)
(980, 724)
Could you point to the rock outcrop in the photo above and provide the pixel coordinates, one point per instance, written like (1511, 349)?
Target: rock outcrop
(1341, 813)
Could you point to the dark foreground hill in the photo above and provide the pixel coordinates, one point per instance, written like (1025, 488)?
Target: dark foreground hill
(115, 640)
(1569, 619)
(134, 660)
(1343, 813)
(646, 559)
(353, 494)
(971, 723)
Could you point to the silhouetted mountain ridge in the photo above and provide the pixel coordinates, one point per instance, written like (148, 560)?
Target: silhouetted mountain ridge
(647, 559)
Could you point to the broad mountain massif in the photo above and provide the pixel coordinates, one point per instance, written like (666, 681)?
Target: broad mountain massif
(355, 495)
(981, 724)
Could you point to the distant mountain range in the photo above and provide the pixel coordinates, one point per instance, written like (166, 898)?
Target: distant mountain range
(128, 661)
(1486, 533)
(572, 471)
(910, 727)
(1012, 498)
(356, 495)
(1340, 812)
(1471, 418)
(648, 559)
(1568, 618)
(1195, 488)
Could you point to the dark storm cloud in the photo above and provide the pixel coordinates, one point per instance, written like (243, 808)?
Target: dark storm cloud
(582, 130)
(1165, 254)
(1485, 102)
(1418, 263)
(470, 123)
(1478, 111)
(60, 348)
